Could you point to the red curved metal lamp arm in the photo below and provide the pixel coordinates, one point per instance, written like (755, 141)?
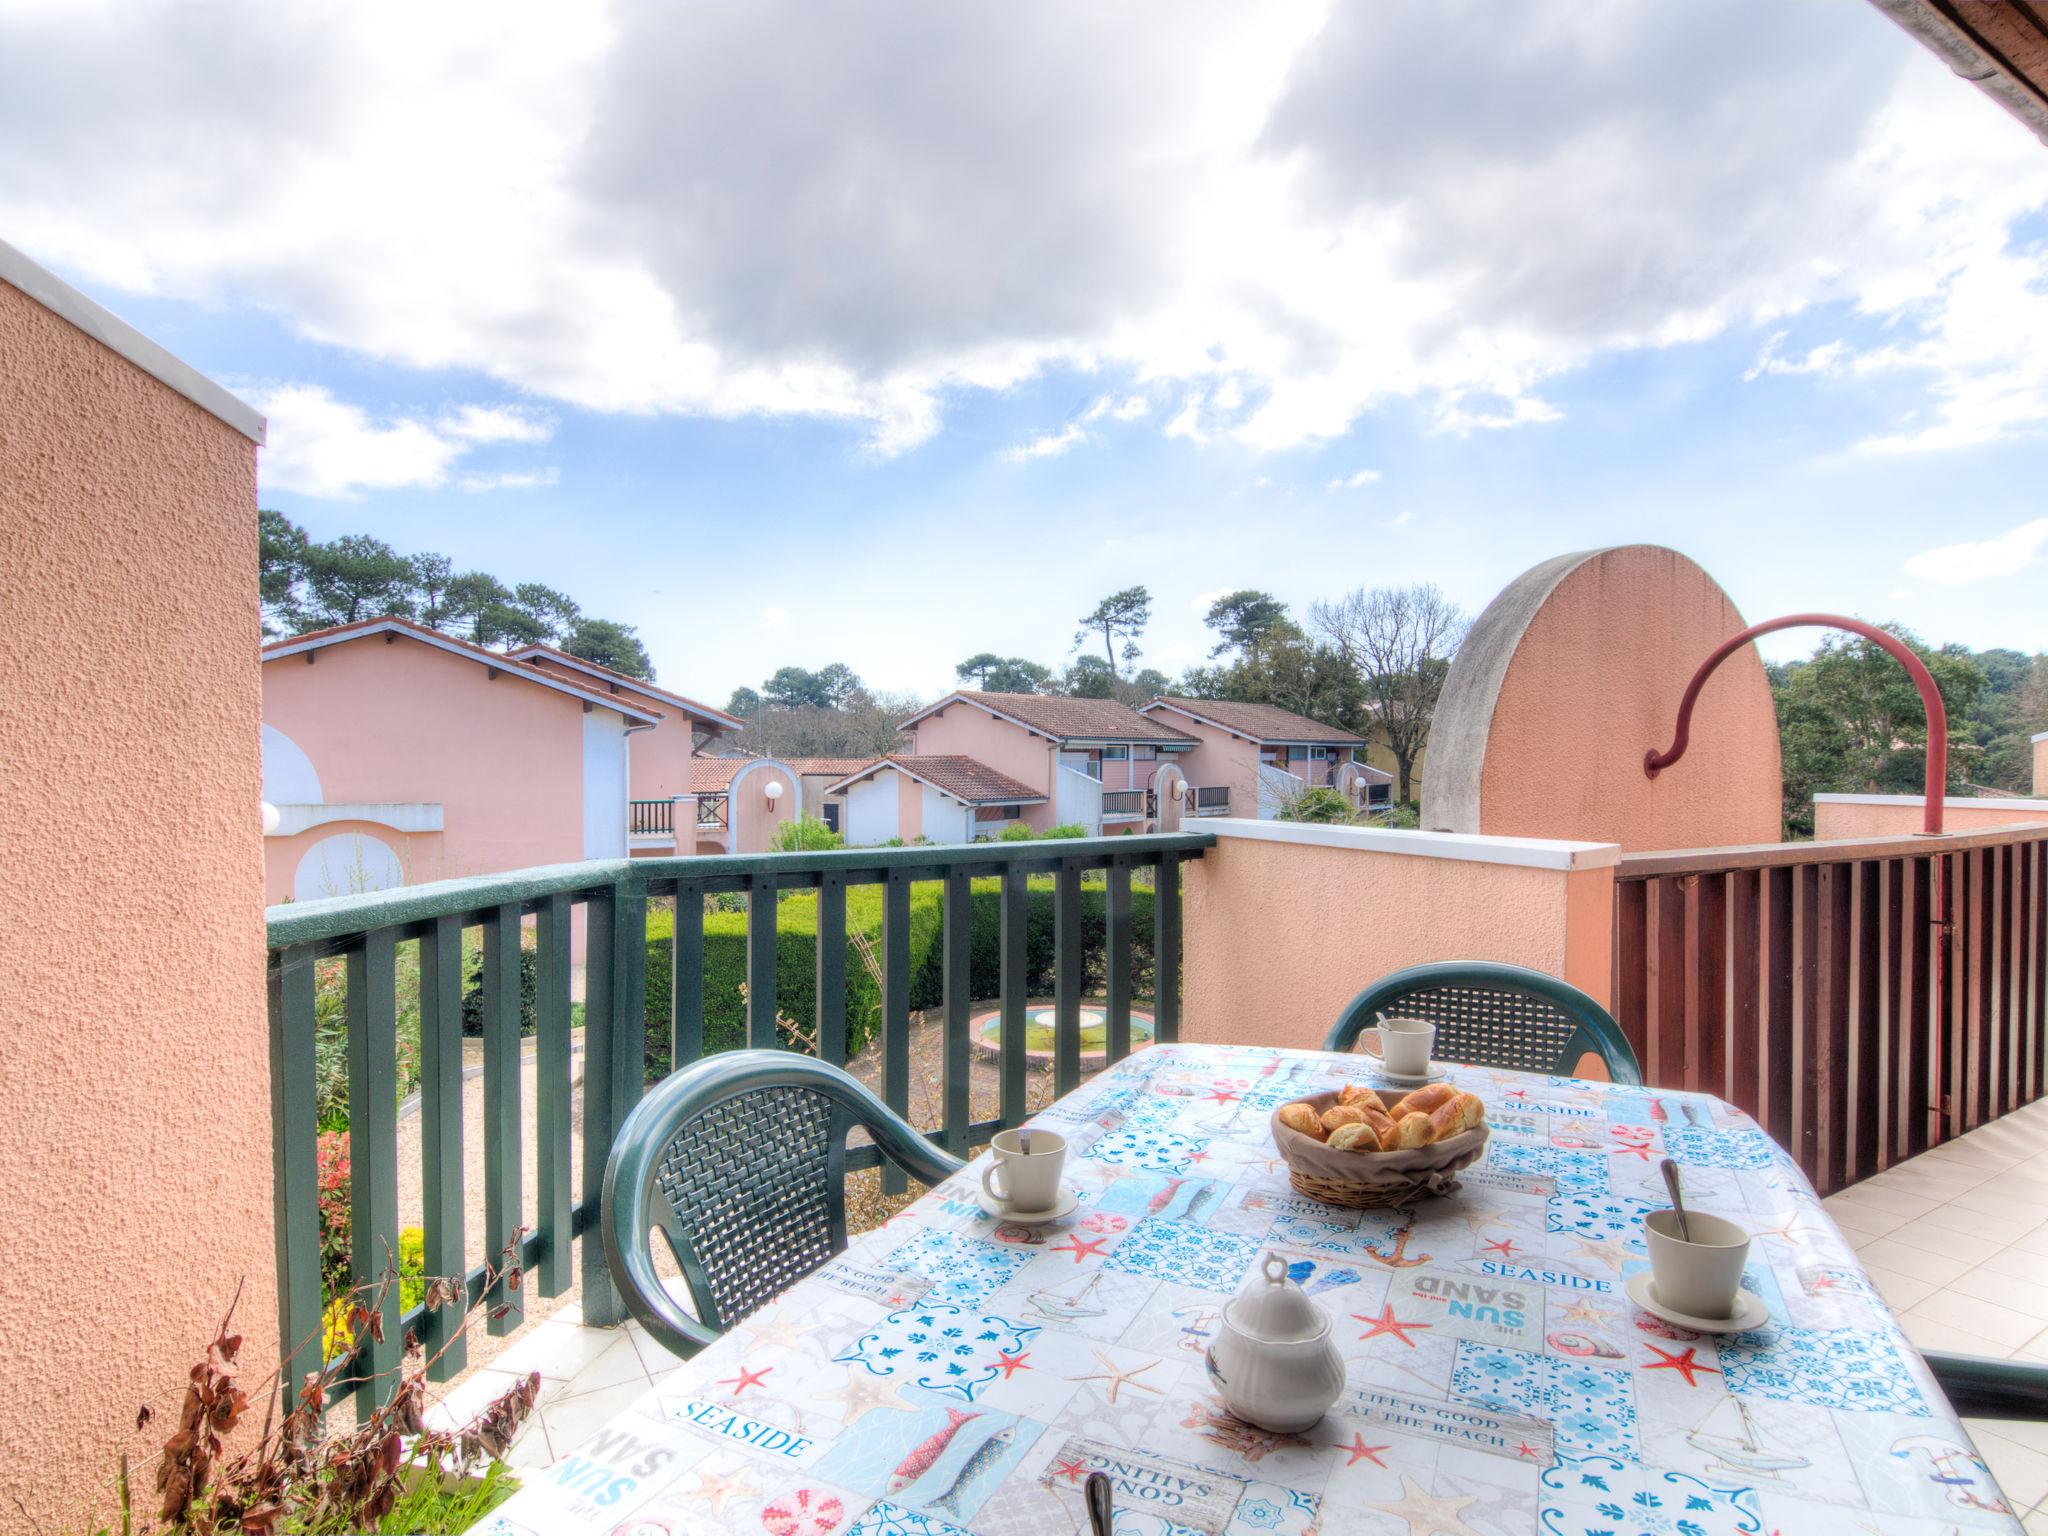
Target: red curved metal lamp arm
(1930, 696)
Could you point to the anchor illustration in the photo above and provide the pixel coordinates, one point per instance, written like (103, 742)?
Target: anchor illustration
(1398, 1258)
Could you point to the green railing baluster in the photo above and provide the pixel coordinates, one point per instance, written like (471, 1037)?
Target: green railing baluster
(441, 1135)
(1166, 950)
(1116, 946)
(832, 969)
(761, 903)
(373, 1151)
(602, 1307)
(956, 955)
(686, 979)
(1067, 945)
(295, 1164)
(1016, 932)
(551, 1072)
(502, 1128)
(896, 1011)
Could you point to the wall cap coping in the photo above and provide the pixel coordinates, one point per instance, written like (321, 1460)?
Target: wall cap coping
(398, 815)
(1471, 847)
(117, 335)
(1951, 802)
(2039, 736)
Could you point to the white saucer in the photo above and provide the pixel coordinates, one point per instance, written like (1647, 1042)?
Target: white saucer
(1437, 1073)
(1064, 1206)
(1750, 1311)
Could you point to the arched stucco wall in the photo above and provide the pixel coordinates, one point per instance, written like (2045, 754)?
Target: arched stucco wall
(289, 777)
(752, 824)
(346, 864)
(1569, 676)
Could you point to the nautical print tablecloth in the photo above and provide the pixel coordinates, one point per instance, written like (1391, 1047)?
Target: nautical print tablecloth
(950, 1373)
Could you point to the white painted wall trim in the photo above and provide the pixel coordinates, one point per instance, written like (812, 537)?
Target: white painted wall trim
(2039, 736)
(398, 815)
(1473, 848)
(1952, 802)
(117, 335)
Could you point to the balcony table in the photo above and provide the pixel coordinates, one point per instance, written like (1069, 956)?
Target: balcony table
(952, 1373)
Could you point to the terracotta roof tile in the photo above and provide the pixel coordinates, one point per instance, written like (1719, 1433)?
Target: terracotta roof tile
(1260, 722)
(1067, 719)
(838, 767)
(964, 778)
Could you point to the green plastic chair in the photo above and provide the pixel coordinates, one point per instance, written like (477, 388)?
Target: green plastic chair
(740, 1162)
(1494, 1015)
(1980, 1387)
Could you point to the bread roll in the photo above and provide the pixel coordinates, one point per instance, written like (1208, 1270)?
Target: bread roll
(1427, 1099)
(1413, 1130)
(1360, 1097)
(1382, 1126)
(1302, 1118)
(1471, 1110)
(1355, 1137)
(1448, 1119)
(1342, 1114)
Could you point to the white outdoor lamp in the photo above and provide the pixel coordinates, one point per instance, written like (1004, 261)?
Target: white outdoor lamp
(270, 818)
(773, 790)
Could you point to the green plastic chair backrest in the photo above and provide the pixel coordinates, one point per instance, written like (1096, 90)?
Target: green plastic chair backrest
(740, 1162)
(1494, 1015)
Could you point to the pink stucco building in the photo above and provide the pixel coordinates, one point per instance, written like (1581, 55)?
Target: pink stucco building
(1250, 758)
(660, 761)
(394, 754)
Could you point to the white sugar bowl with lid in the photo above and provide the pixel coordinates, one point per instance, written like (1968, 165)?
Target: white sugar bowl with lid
(1274, 1358)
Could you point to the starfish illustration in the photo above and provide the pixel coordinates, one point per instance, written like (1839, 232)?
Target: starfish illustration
(1358, 1450)
(860, 1394)
(1080, 1247)
(1426, 1514)
(1525, 1449)
(1790, 1230)
(1009, 1365)
(1605, 1249)
(1582, 1311)
(1505, 1247)
(716, 1489)
(1685, 1364)
(1517, 1093)
(1198, 1157)
(1073, 1471)
(1640, 1148)
(1223, 1095)
(1119, 1378)
(1386, 1323)
(746, 1379)
(775, 1330)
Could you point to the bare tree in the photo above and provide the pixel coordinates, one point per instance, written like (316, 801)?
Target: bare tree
(1400, 640)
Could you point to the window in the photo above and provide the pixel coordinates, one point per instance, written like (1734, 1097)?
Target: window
(832, 815)
(1146, 754)
(1296, 754)
(1116, 754)
(1317, 754)
(998, 812)
(1379, 794)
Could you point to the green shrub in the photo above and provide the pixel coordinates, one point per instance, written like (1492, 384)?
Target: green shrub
(796, 994)
(1318, 804)
(805, 834)
(1065, 829)
(473, 984)
(1399, 814)
(1016, 832)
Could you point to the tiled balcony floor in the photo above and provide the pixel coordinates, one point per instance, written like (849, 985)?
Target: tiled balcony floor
(1956, 1241)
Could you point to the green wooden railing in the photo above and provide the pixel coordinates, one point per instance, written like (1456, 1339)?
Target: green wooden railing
(651, 817)
(609, 899)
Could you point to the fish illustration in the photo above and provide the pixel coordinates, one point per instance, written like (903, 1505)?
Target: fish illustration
(1164, 1198)
(986, 1455)
(919, 1461)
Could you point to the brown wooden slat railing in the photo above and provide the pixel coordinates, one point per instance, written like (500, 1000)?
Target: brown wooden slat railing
(1864, 1000)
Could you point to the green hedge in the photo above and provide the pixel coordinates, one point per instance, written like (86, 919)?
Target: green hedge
(725, 958)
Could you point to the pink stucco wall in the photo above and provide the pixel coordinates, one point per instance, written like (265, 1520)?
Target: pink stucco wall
(749, 815)
(1904, 814)
(134, 1069)
(966, 731)
(419, 852)
(1593, 682)
(2041, 764)
(409, 722)
(1279, 936)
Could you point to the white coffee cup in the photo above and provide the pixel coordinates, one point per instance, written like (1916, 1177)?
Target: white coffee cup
(1701, 1278)
(1405, 1045)
(1025, 1181)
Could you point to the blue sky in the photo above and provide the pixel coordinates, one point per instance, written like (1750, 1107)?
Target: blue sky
(898, 368)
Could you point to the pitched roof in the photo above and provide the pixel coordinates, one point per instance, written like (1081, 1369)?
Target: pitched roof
(964, 778)
(1261, 723)
(1064, 719)
(836, 766)
(614, 681)
(340, 634)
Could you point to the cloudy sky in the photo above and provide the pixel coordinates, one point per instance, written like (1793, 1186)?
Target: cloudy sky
(890, 333)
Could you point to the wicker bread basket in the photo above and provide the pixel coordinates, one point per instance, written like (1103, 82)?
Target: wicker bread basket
(1373, 1180)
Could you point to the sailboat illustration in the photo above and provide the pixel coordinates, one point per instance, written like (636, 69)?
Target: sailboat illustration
(1070, 1299)
(1740, 1454)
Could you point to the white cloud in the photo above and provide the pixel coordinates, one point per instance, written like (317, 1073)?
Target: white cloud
(1201, 602)
(1401, 519)
(1353, 481)
(495, 424)
(1049, 445)
(1828, 357)
(329, 448)
(1954, 565)
(512, 480)
(775, 618)
(1266, 214)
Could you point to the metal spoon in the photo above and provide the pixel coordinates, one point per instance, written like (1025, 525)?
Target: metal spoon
(1670, 1168)
(1095, 1494)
